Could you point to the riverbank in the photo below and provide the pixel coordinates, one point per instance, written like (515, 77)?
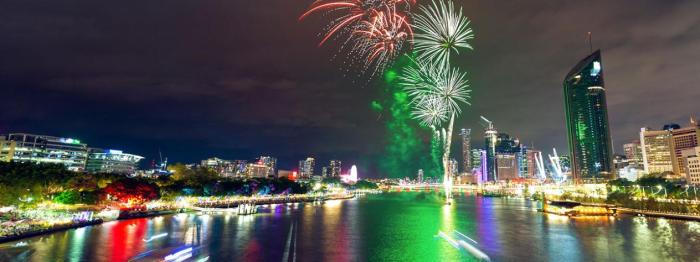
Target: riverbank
(27, 229)
(52, 229)
(637, 212)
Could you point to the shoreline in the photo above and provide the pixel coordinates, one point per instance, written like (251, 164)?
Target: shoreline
(126, 216)
(49, 231)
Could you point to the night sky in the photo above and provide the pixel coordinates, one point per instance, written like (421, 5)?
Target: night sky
(241, 78)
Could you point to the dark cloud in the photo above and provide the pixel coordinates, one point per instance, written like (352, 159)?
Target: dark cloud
(241, 78)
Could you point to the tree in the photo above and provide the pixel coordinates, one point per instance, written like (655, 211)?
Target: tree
(132, 190)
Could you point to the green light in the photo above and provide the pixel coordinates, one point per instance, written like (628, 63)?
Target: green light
(389, 76)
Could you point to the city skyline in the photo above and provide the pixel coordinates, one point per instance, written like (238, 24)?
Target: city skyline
(138, 98)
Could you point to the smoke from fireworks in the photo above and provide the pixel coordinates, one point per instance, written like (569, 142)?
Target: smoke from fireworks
(441, 30)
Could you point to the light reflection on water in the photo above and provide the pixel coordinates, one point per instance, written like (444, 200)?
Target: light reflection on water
(393, 227)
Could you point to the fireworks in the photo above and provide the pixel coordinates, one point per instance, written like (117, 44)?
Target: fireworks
(430, 111)
(381, 39)
(444, 88)
(353, 11)
(440, 30)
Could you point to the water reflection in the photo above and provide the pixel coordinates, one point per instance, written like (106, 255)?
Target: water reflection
(396, 227)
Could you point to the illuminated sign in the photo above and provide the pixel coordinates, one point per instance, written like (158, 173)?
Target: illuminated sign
(115, 152)
(69, 141)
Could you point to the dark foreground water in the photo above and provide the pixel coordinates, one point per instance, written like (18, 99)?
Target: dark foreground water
(388, 227)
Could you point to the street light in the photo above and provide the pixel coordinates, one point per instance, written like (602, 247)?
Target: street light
(665, 193)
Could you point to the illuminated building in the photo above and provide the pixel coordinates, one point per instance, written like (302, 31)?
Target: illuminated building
(476, 158)
(465, 133)
(271, 162)
(657, 151)
(111, 161)
(633, 153)
(222, 167)
(507, 165)
(257, 170)
(335, 168)
(453, 165)
(692, 165)
(20, 147)
(324, 171)
(587, 125)
(306, 167)
(530, 157)
(489, 163)
(288, 174)
(684, 138)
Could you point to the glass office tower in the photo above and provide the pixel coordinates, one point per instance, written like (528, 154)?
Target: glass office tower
(587, 121)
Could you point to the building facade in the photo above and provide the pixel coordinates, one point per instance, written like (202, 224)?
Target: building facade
(633, 153)
(21, 147)
(306, 167)
(467, 165)
(111, 161)
(684, 138)
(489, 163)
(657, 151)
(588, 131)
(691, 163)
(335, 168)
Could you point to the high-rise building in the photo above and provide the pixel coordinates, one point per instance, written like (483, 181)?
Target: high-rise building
(335, 168)
(306, 167)
(633, 153)
(532, 162)
(507, 165)
(271, 162)
(692, 165)
(111, 161)
(657, 151)
(467, 166)
(684, 138)
(454, 166)
(419, 177)
(476, 158)
(257, 169)
(20, 147)
(224, 168)
(489, 165)
(589, 139)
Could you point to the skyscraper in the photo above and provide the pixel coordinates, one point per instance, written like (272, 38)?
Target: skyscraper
(657, 151)
(466, 150)
(633, 152)
(587, 120)
(306, 167)
(489, 163)
(684, 138)
(334, 168)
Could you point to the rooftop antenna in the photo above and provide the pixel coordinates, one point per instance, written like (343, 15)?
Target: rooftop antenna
(590, 42)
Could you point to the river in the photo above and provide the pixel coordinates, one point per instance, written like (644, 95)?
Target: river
(387, 227)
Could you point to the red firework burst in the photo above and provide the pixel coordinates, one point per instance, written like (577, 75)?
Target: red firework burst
(352, 11)
(382, 37)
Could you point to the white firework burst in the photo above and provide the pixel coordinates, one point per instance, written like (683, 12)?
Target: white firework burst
(440, 30)
(430, 85)
(430, 111)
